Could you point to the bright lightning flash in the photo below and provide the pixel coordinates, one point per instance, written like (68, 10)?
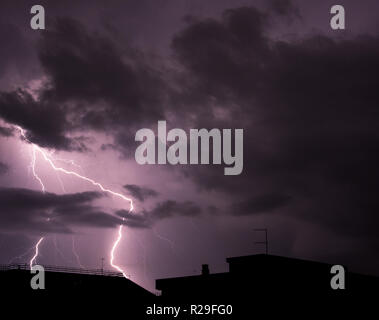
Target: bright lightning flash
(115, 244)
(36, 253)
(50, 160)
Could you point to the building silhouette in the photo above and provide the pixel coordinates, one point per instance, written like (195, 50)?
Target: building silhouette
(71, 292)
(263, 275)
(253, 282)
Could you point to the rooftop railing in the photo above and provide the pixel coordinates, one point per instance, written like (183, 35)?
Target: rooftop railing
(49, 268)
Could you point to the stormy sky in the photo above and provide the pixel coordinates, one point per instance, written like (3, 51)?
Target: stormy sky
(305, 95)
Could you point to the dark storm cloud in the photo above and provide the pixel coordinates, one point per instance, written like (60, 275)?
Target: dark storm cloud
(35, 211)
(13, 48)
(6, 131)
(172, 208)
(87, 215)
(93, 82)
(284, 8)
(162, 210)
(29, 210)
(112, 84)
(140, 193)
(14, 199)
(261, 204)
(228, 52)
(134, 220)
(16, 53)
(307, 104)
(308, 108)
(44, 122)
(3, 168)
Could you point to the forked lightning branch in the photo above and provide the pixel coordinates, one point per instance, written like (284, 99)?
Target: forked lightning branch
(37, 150)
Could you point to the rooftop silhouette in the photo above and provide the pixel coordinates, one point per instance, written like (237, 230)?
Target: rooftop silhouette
(259, 279)
(263, 274)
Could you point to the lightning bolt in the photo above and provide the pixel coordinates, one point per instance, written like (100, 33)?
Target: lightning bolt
(36, 252)
(170, 242)
(50, 161)
(57, 248)
(60, 182)
(76, 254)
(69, 161)
(20, 256)
(144, 259)
(115, 244)
(33, 166)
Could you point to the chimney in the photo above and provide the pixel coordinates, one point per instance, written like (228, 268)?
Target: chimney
(205, 270)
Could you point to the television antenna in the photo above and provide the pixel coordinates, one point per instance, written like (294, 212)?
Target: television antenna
(266, 238)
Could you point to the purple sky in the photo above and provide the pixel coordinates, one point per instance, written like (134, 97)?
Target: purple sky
(306, 97)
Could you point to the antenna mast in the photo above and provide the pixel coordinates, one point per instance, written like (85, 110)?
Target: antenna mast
(266, 238)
